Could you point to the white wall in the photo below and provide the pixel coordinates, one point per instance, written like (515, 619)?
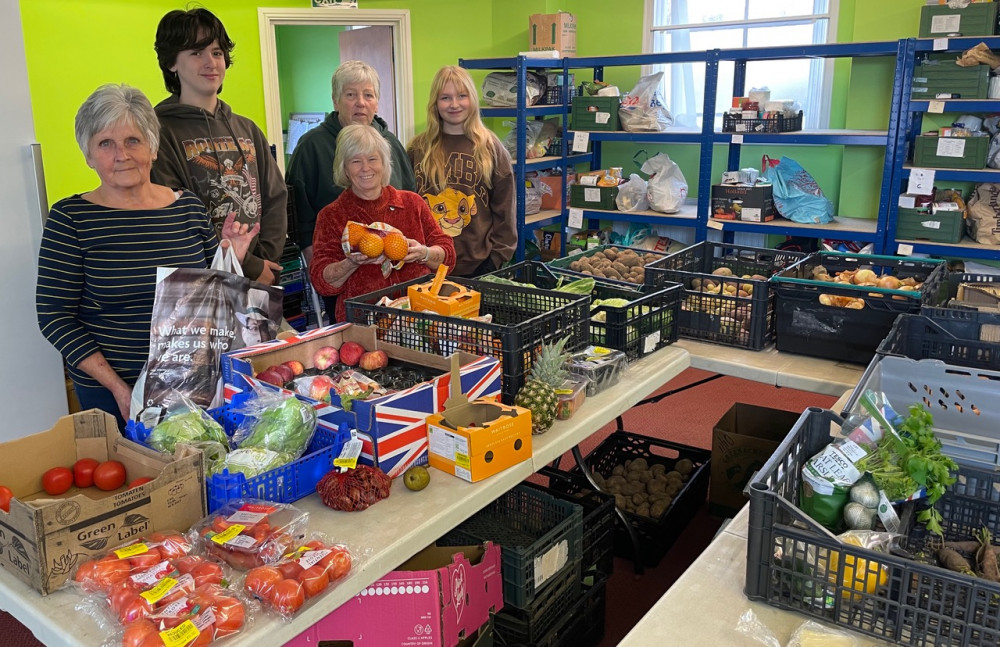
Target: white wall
(32, 388)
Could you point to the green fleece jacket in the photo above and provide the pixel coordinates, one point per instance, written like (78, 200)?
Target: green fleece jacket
(226, 161)
(310, 172)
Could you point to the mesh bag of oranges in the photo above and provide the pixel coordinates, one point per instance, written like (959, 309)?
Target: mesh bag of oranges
(376, 240)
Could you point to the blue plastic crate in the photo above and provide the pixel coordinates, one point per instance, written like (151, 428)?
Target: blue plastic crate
(285, 484)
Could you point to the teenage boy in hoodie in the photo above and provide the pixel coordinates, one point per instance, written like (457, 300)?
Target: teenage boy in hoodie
(204, 147)
(355, 86)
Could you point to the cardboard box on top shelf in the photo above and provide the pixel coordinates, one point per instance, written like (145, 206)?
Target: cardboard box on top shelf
(43, 538)
(475, 440)
(392, 428)
(548, 31)
(742, 441)
(440, 597)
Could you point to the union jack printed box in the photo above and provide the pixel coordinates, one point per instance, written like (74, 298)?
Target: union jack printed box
(392, 428)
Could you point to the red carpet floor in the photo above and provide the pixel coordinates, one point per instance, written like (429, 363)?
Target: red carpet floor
(687, 418)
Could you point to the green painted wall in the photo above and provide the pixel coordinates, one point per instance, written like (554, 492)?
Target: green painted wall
(307, 58)
(75, 45)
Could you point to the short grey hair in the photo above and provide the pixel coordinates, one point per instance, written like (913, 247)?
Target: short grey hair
(350, 72)
(360, 139)
(111, 105)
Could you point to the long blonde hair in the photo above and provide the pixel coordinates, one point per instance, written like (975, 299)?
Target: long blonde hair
(433, 161)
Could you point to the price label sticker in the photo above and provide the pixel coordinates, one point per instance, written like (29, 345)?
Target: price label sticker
(131, 551)
(940, 44)
(581, 139)
(576, 218)
(228, 534)
(182, 634)
(921, 181)
(737, 139)
(714, 224)
(936, 106)
(904, 249)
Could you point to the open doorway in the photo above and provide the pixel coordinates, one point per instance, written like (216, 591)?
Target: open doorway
(300, 49)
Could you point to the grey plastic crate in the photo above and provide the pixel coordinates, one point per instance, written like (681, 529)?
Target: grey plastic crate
(918, 606)
(962, 400)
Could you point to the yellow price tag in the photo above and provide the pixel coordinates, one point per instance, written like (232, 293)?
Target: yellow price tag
(463, 460)
(129, 551)
(228, 533)
(182, 634)
(156, 593)
(350, 462)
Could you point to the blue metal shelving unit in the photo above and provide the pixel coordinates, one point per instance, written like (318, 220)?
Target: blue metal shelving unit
(911, 115)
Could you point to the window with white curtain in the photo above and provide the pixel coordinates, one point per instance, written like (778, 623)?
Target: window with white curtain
(694, 25)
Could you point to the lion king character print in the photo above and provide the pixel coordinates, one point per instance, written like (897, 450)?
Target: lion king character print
(452, 209)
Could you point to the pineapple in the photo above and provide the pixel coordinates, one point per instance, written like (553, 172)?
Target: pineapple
(539, 392)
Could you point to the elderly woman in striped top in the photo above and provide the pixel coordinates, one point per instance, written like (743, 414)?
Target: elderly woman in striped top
(100, 250)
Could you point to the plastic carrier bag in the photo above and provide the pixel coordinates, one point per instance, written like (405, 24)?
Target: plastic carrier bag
(797, 196)
(197, 316)
(632, 194)
(667, 189)
(983, 222)
(642, 109)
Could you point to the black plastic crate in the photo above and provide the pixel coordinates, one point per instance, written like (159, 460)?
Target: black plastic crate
(776, 124)
(960, 337)
(723, 317)
(598, 515)
(588, 629)
(916, 604)
(540, 535)
(646, 323)
(973, 290)
(655, 535)
(545, 614)
(555, 94)
(523, 319)
(810, 319)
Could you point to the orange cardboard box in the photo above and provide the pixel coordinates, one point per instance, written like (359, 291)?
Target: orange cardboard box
(444, 297)
(499, 437)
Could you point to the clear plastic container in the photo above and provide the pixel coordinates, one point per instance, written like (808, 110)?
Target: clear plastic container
(571, 394)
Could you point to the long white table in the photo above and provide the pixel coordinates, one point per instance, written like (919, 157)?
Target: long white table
(383, 536)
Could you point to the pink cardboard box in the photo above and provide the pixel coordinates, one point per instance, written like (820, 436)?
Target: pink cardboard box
(392, 428)
(437, 598)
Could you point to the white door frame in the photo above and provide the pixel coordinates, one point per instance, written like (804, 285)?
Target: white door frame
(399, 20)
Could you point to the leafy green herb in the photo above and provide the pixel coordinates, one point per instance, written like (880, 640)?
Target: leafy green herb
(911, 459)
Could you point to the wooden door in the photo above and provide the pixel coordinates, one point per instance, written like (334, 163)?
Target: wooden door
(373, 45)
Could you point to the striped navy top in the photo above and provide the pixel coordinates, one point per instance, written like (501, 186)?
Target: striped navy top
(97, 276)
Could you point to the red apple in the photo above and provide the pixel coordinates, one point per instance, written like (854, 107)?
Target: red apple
(296, 366)
(285, 372)
(373, 360)
(320, 387)
(351, 352)
(325, 357)
(271, 377)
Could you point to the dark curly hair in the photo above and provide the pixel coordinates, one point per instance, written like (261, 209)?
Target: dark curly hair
(182, 30)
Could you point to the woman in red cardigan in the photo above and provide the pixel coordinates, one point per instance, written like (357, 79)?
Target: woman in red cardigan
(362, 165)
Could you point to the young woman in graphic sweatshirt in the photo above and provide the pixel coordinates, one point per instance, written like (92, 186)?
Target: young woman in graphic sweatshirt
(221, 157)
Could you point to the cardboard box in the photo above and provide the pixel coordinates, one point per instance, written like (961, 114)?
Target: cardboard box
(476, 439)
(440, 597)
(742, 202)
(392, 428)
(557, 198)
(43, 538)
(742, 441)
(548, 31)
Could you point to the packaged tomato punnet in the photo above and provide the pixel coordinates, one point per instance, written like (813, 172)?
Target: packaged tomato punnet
(105, 573)
(299, 576)
(202, 616)
(249, 532)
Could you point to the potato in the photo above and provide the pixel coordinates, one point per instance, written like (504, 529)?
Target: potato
(599, 480)
(618, 470)
(611, 252)
(645, 476)
(684, 466)
(656, 486)
(633, 476)
(620, 501)
(638, 498)
(638, 464)
(643, 510)
(674, 474)
(657, 509)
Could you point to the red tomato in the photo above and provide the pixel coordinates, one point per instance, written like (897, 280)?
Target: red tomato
(141, 633)
(109, 572)
(207, 573)
(220, 523)
(261, 581)
(57, 480)
(288, 597)
(134, 609)
(229, 615)
(122, 596)
(146, 560)
(188, 563)
(139, 481)
(315, 544)
(171, 544)
(83, 472)
(109, 475)
(314, 580)
(290, 570)
(5, 496)
(206, 636)
(338, 563)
